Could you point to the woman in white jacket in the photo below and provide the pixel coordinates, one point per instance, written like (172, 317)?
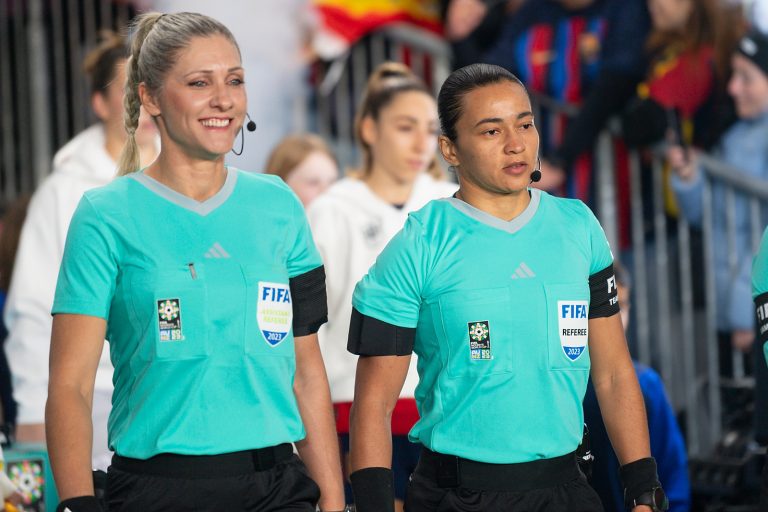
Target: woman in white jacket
(397, 128)
(88, 160)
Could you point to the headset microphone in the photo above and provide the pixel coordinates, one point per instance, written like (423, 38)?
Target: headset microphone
(250, 126)
(536, 174)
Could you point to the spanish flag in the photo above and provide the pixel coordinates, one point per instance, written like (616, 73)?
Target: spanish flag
(350, 20)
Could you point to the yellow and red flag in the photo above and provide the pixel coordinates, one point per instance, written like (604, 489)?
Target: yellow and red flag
(349, 20)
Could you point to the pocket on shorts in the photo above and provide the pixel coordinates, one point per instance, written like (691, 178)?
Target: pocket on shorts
(306, 486)
(423, 495)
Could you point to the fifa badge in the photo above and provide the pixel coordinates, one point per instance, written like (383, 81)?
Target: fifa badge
(169, 319)
(479, 340)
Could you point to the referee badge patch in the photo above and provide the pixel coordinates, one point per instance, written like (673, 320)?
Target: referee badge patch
(479, 340)
(572, 327)
(169, 319)
(274, 312)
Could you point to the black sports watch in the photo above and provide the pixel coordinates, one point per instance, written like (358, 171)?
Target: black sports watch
(656, 498)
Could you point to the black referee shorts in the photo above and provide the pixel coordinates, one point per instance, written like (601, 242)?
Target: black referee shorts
(268, 479)
(444, 483)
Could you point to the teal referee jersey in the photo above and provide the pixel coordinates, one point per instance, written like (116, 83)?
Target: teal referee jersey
(498, 314)
(760, 292)
(202, 302)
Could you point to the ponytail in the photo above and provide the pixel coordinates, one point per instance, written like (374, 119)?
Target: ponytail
(129, 158)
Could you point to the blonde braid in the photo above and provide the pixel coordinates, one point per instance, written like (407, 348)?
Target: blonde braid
(130, 160)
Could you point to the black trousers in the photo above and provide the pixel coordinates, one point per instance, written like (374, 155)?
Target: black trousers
(450, 484)
(212, 483)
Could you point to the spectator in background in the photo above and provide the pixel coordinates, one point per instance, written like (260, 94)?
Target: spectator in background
(689, 47)
(667, 445)
(87, 161)
(396, 128)
(745, 147)
(571, 51)
(306, 164)
(473, 26)
(621, 68)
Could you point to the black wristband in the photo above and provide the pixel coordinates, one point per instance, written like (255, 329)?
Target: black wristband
(638, 477)
(374, 490)
(80, 504)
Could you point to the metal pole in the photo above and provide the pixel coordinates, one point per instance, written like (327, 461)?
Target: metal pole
(60, 92)
(39, 98)
(75, 66)
(640, 268)
(713, 367)
(755, 223)
(688, 339)
(663, 302)
(606, 189)
(23, 120)
(733, 268)
(6, 98)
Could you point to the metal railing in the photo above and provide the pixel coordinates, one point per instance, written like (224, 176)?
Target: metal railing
(672, 331)
(343, 81)
(44, 98)
(674, 306)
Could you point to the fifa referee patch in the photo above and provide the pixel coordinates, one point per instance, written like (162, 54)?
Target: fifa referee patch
(169, 319)
(479, 340)
(573, 327)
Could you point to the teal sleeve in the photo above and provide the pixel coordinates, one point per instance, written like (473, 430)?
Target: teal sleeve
(302, 255)
(760, 292)
(760, 268)
(89, 268)
(391, 291)
(601, 250)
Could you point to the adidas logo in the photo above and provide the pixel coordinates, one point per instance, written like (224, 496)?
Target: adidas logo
(217, 251)
(522, 272)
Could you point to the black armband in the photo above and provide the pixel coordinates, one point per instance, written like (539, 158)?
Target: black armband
(371, 337)
(374, 490)
(761, 312)
(603, 294)
(310, 303)
(639, 478)
(80, 504)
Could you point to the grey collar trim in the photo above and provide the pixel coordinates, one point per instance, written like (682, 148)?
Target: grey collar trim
(511, 226)
(201, 208)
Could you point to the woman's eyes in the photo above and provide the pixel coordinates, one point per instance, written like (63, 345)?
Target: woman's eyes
(203, 83)
(496, 131)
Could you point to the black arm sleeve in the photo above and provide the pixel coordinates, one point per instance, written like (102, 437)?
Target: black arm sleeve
(371, 337)
(761, 310)
(607, 97)
(604, 297)
(310, 304)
